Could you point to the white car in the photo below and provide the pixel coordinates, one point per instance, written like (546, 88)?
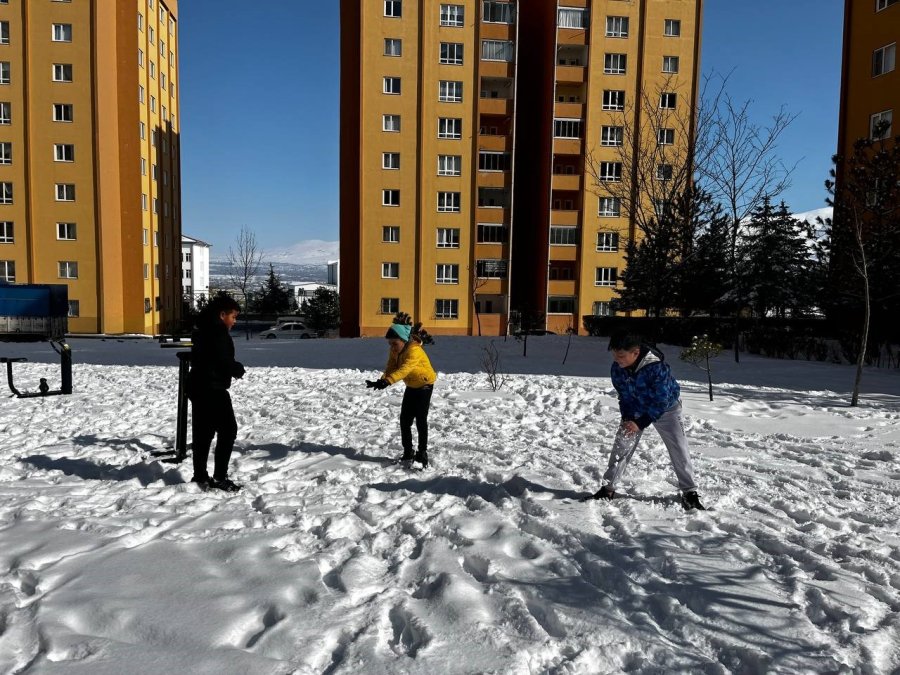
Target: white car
(291, 329)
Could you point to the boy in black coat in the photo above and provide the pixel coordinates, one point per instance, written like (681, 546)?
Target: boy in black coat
(212, 368)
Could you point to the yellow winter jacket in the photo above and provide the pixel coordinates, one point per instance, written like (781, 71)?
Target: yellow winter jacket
(411, 365)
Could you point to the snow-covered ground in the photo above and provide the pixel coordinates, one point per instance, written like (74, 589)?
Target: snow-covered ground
(332, 561)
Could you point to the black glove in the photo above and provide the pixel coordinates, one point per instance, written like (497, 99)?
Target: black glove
(380, 383)
(370, 384)
(238, 370)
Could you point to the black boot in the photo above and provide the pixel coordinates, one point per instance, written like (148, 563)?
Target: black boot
(604, 492)
(407, 456)
(691, 500)
(422, 456)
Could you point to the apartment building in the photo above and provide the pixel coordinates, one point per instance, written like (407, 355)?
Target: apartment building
(467, 133)
(194, 269)
(870, 84)
(89, 158)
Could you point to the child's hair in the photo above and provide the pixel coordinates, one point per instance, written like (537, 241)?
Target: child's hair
(417, 333)
(623, 340)
(221, 303)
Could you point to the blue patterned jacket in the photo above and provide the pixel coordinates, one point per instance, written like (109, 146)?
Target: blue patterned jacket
(647, 389)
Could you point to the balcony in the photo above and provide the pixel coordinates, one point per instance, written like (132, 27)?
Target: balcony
(495, 143)
(573, 74)
(491, 286)
(497, 31)
(566, 253)
(496, 69)
(570, 183)
(564, 217)
(495, 106)
(492, 214)
(572, 36)
(562, 287)
(570, 110)
(567, 146)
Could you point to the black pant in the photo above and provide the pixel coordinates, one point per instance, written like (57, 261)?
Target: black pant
(415, 407)
(212, 416)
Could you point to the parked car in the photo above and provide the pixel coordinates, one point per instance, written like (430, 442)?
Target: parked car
(289, 330)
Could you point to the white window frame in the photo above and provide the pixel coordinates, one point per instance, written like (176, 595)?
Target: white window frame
(667, 97)
(446, 308)
(493, 11)
(566, 127)
(569, 299)
(63, 152)
(446, 123)
(612, 136)
(878, 117)
(5, 152)
(7, 232)
(389, 305)
(615, 63)
(6, 192)
(449, 165)
(607, 241)
(390, 160)
(5, 112)
(610, 172)
(63, 72)
(387, 122)
(609, 207)
(601, 308)
(491, 161)
(503, 51)
(883, 4)
(884, 60)
(387, 197)
(393, 8)
(8, 270)
(491, 268)
(449, 202)
(451, 53)
(61, 32)
(63, 230)
(450, 91)
(446, 274)
(4, 32)
(393, 47)
(665, 136)
(606, 276)
(483, 228)
(453, 16)
(447, 237)
(65, 192)
(571, 17)
(390, 85)
(670, 64)
(5, 72)
(60, 110)
(67, 269)
(664, 172)
(610, 95)
(563, 235)
(617, 26)
(672, 28)
(390, 270)
(390, 234)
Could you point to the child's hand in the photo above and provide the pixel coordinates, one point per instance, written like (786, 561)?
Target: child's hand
(380, 383)
(630, 427)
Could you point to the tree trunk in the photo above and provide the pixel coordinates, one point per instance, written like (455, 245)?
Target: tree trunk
(863, 343)
(709, 377)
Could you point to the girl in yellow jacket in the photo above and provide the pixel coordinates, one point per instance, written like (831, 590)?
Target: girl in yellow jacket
(408, 361)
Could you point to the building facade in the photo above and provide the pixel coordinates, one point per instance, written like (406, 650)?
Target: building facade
(89, 158)
(870, 84)
(468, 134)
(194, 269)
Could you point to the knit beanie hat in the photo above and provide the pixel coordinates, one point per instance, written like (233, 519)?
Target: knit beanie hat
(398, 331)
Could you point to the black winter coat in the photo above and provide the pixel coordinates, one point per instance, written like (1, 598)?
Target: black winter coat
(212, 357)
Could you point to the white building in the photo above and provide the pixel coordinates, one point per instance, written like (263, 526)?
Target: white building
(334, 274)
(195, 266)
(303, 291)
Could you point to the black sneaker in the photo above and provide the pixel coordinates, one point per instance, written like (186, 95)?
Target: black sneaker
(422, 456)
(224, 484)
(407, 456)
(604, 492)
(201, 481)
(691, 500)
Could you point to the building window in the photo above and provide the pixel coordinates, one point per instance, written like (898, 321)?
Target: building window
(493, 161)
(156, 271)
(6, 232)
(449, 127)
(5, 72)
(560, 304)
(8, 270)
(449, 165)
(6, 152)
(446, 274)
(883, 59)
(572, 17)
(63, 112)
(390, 234)
(146, 270)
(391, 85)
(140, 94)
(617, 26)
(605, 276)
(146, 237)
(661, 207)
(670, 64)
(5, 112)
(452, 15)
(610, 207)
(448, 237)
(608, 241)
(65, 192)
(672, 28)
(610, 172)
(451, 53)
(566, 128)
(62, 32)
(664, 172)
(450, 91)
(68, 269)
(4, 32)
(490, 269)
(390, 305)
(141, 58)
(883, 4)
(390, 197)
(152, 70)
(613, 99)
(390, 270)
(62, 72)
(665, 136)
(143, 202)
(390, 123)
(6, 193)
(493, 198)
(393, 47)
(446, 309)
(563, 236)
(448, 202)
(668, 100)
(611, 136)
(498, 12)
(880, 125)
(390, 160)
(497, 50)
(601, 309)
(63, 152)
(74, 308)
(491, 233)
(65, 231)
(393, 8)
(614, 64)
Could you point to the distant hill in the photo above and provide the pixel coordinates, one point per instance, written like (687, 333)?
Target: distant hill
(288, 272)
(304, 261)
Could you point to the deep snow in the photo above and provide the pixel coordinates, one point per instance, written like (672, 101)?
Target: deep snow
(331, 561)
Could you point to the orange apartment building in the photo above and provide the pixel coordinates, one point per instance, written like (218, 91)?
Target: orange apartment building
(870, 84)
(89, 158)
(465, 128)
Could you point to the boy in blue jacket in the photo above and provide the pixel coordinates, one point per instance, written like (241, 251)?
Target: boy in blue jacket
(648, 394)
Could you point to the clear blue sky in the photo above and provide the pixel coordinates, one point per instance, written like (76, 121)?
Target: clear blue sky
(260, 102)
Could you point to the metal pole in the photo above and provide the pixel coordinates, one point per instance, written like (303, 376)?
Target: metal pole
(65, 362)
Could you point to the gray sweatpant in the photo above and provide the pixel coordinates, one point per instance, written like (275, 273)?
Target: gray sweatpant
(670, 428)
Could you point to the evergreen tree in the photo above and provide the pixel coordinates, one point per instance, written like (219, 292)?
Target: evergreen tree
(273, 296)
(323, 310)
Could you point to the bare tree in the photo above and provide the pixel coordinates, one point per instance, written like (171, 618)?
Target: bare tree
(490, 363)
(244, 259)
(477, 283)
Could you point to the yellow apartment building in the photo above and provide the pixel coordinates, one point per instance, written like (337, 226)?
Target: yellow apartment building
(466, 130)
(89, 158)
(870, 84)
